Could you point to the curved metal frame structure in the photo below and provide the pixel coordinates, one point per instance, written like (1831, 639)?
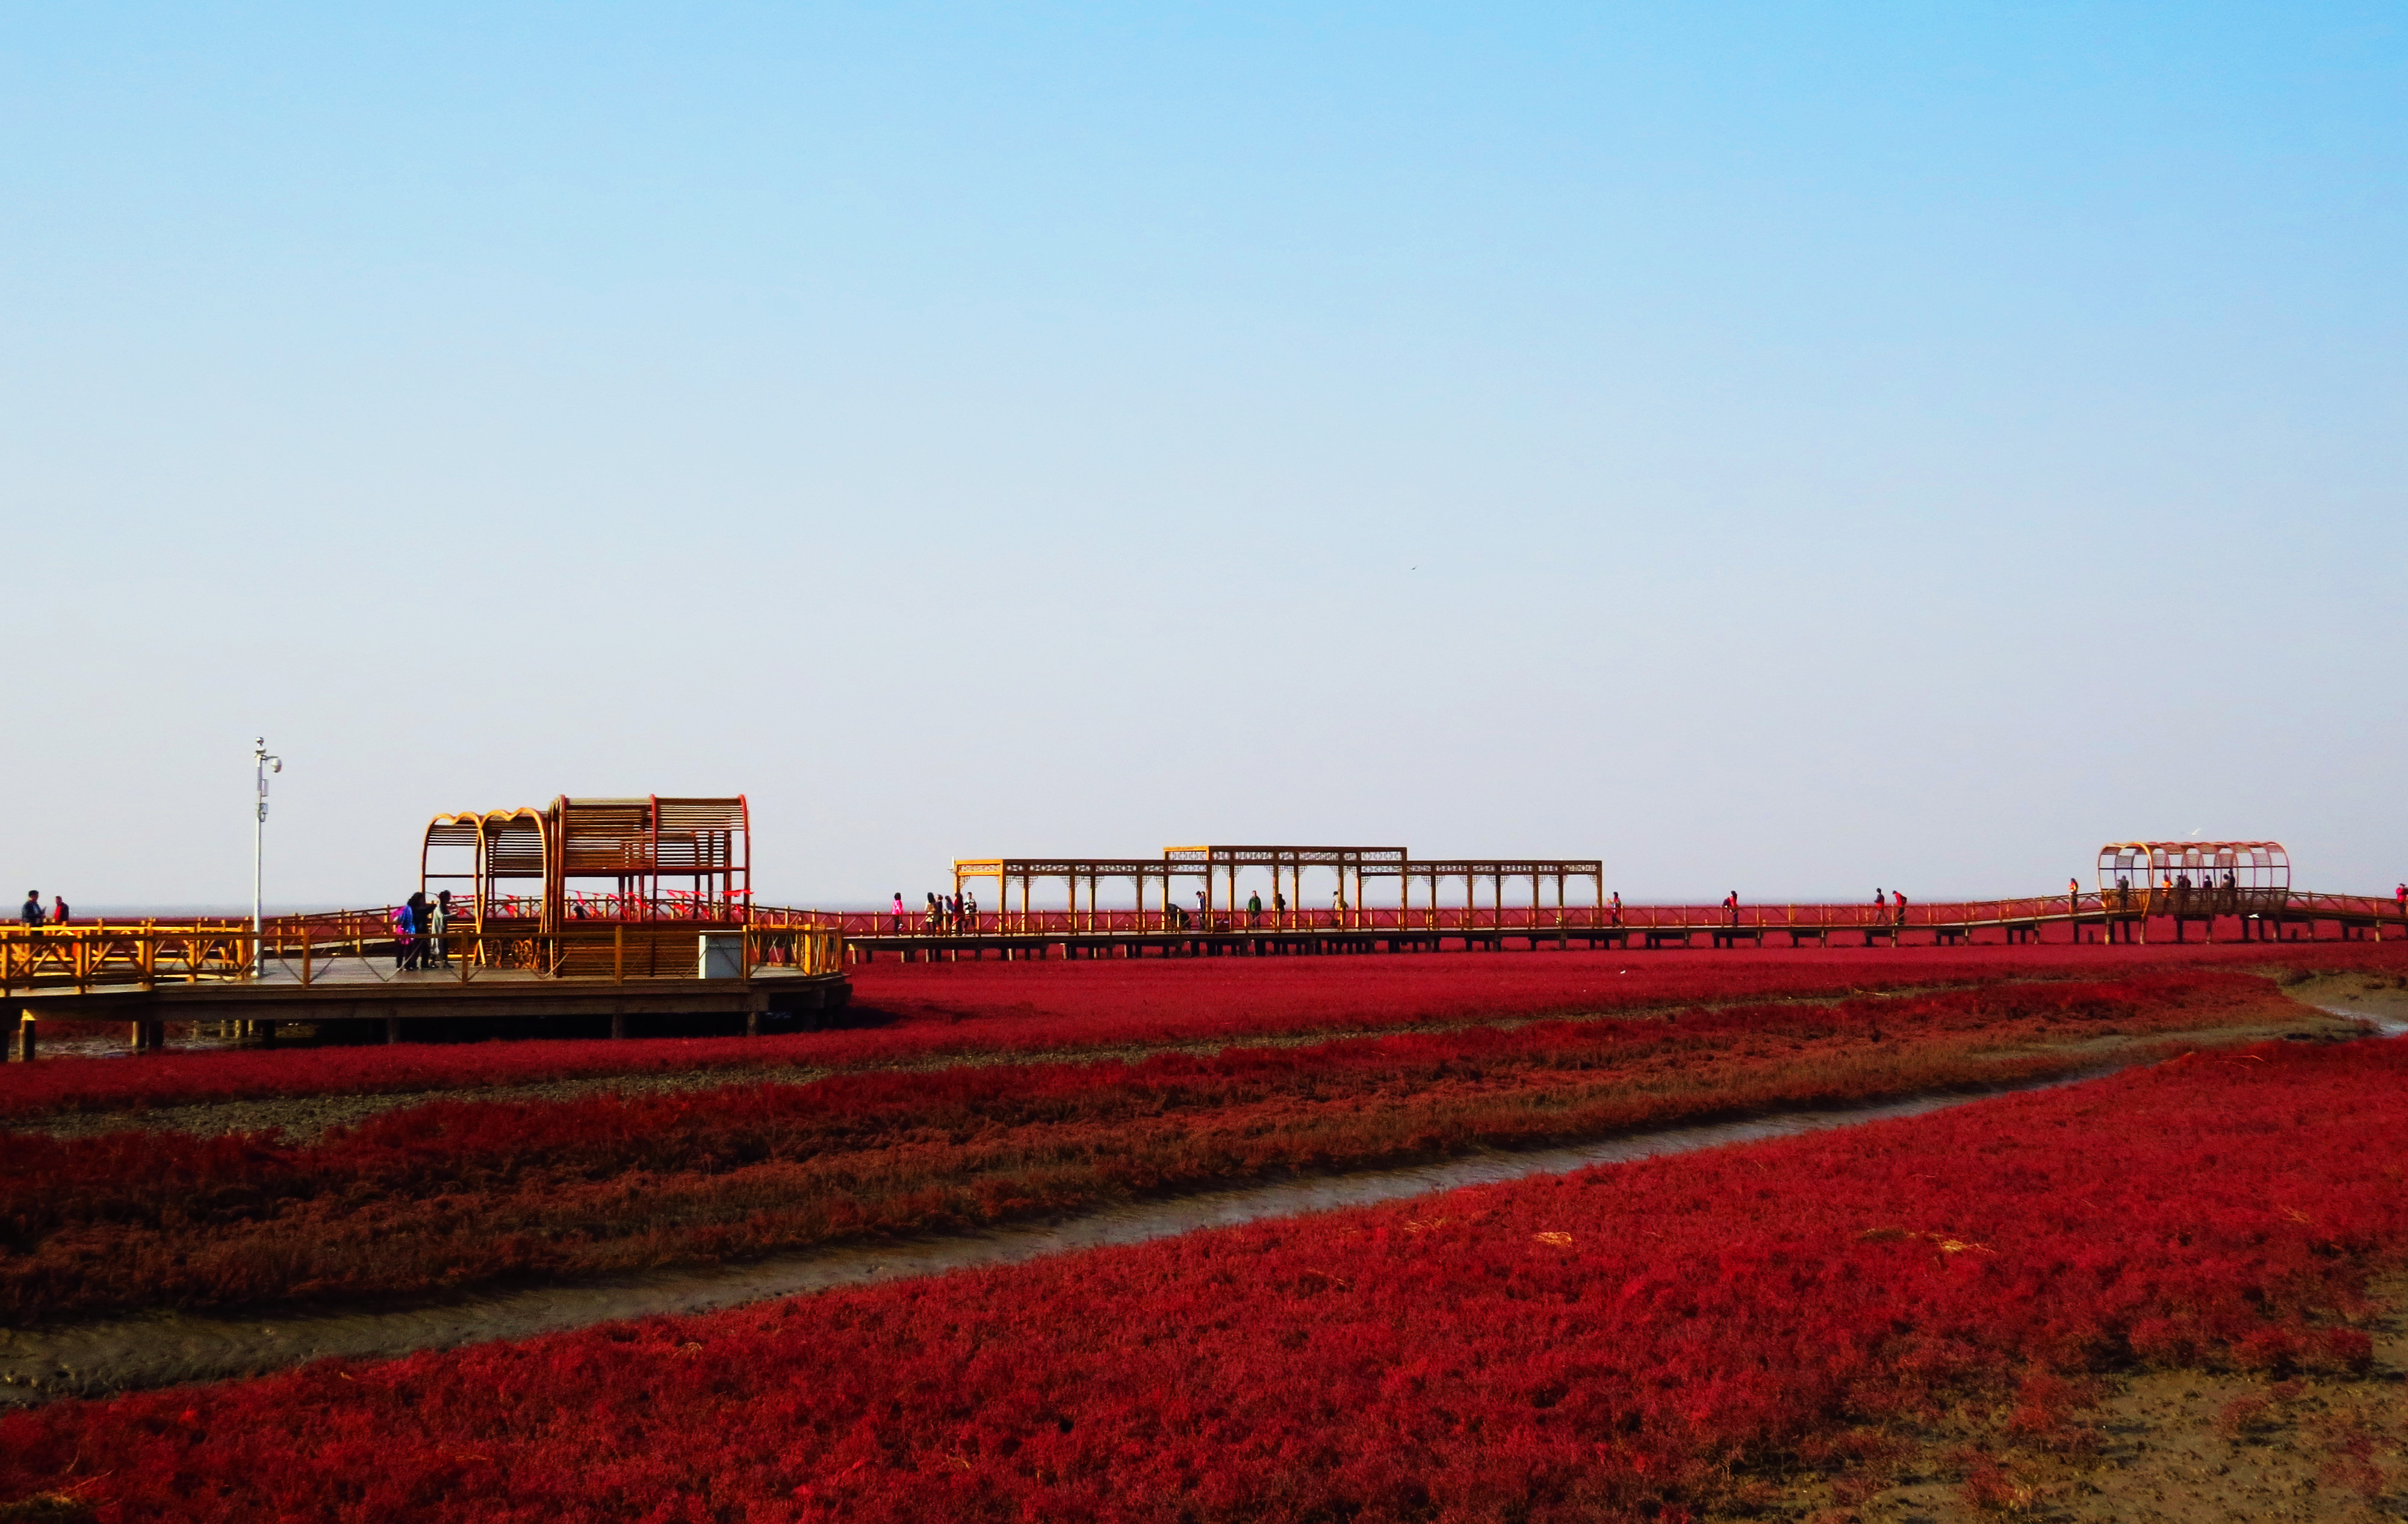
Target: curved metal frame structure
(2194, 878)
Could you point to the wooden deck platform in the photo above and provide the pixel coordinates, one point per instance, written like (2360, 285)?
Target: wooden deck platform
(406, 1004)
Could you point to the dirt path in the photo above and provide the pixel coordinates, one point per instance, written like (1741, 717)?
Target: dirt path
(165, 1348)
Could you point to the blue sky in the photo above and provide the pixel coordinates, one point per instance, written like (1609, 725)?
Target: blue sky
(1790, 447)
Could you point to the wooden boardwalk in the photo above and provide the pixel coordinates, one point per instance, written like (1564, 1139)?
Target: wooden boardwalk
(2061, 920)
(338, 971)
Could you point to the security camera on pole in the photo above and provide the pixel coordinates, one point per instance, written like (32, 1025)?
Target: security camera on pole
(263, 764)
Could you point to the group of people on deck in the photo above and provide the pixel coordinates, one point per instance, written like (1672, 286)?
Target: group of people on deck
(32, 914)
(418, 926)
(946, 913)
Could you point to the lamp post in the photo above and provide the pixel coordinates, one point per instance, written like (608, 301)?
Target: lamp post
(263, 764)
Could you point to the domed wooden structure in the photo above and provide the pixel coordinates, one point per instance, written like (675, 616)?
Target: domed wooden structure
(2194, 878)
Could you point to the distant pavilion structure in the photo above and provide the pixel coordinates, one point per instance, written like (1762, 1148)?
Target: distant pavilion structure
(1215, 870)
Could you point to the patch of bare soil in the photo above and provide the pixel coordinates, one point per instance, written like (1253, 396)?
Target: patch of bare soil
(2383, 997)
(2163, 1447)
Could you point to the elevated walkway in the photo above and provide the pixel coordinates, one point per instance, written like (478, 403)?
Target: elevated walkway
(343, 968)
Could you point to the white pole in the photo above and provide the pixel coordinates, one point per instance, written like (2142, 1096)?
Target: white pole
(262, 764)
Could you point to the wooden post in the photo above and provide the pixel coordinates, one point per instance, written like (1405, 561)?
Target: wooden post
(392, 1028)
(619, 953)
(23, 1049)
(618, 1024)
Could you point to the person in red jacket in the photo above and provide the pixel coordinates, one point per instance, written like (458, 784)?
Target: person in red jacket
(1899, 916)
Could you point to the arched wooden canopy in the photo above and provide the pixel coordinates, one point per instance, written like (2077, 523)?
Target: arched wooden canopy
(642, 859)
(2194, 878)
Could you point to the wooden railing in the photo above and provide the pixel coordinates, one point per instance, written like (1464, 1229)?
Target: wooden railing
(1519, 919)
(307, 949)
(85, 955)
(148, 952)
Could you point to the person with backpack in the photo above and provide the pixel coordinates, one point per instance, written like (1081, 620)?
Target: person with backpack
(421, 914)
(404, 926)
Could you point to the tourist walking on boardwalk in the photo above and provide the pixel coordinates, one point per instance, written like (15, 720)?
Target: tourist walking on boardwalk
(1730, 906)
(59, 915)
(32, 914)
(928, 919)
(1254, 907)
(898, 911)
(438, 922)
(2400, 898)
(969, 914)
(403, 926)
(1899, 895)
